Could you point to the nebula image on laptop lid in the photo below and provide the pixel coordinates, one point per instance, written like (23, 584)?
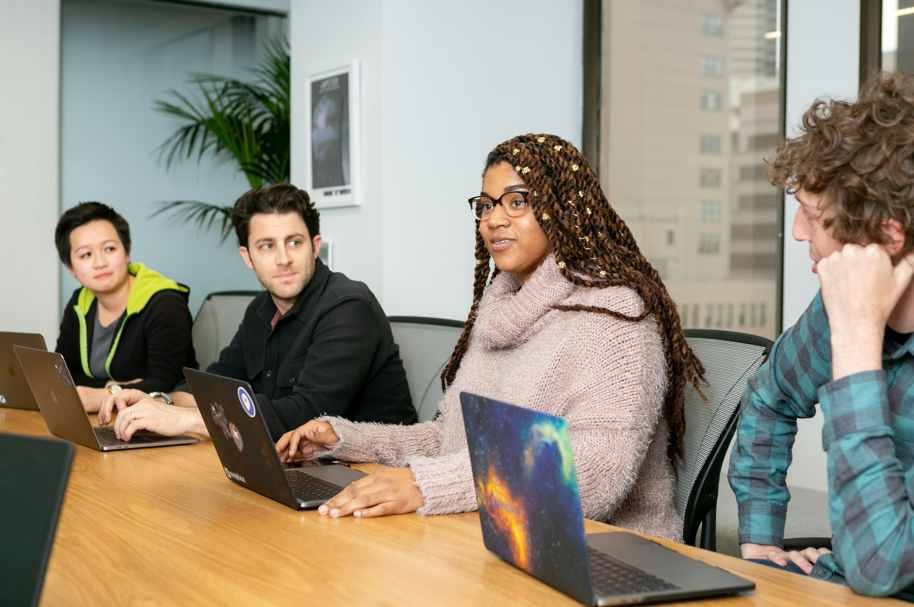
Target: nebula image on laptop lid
(526, 489)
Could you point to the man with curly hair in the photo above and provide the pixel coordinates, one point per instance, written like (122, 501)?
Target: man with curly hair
(851, 352)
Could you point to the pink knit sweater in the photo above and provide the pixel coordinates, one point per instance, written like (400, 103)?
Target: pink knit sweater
(606, 377)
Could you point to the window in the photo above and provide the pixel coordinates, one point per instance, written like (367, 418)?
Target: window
(712, 66)
(709, 211)
(710, 144)
(761, 315)
(711, 100)
(708, 310)
(763, 143)
(710, 178)
(712, 25)
(709, 244)
(755, 172)
(700, 83)
(742, 315)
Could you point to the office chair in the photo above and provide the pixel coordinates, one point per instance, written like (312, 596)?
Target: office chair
(729, 359)
(426, 346)
(217, 322)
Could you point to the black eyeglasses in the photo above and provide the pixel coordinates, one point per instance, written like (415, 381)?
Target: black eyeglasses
(514, 204)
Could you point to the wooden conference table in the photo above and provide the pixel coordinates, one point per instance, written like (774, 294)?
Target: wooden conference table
(165, 527)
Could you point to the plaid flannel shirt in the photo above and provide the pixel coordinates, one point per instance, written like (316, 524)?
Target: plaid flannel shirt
(869, 439)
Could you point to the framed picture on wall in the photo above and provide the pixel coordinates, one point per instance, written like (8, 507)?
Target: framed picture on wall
(333, 156)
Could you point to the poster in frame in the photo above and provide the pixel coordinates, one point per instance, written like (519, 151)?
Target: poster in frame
(333, 158)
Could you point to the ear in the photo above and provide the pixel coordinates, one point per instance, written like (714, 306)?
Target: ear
(246, 257)
(316, 245)
(70, 270)
(896, 238)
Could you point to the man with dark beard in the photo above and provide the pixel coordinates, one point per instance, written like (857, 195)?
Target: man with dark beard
(313, 343)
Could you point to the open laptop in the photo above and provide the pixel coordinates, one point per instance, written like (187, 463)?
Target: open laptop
(530, 511)
(247, 452)
(14, 388)
(33, 480)
(63, 412)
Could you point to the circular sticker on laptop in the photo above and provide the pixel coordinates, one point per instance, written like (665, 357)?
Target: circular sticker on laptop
(247, 403)
(236, 436)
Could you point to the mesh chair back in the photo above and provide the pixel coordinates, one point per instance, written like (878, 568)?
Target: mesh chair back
(729, 359)
(426, 346)
(217, 322)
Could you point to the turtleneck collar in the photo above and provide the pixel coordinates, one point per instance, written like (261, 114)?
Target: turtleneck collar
(509, 315)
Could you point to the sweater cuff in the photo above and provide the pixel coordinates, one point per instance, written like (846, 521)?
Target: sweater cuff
(762, 523)
(446, 483)
(354, 444)
(855, 404)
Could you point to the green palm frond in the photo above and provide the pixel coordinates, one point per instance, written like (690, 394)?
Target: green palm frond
(231, 120)
(203, 214)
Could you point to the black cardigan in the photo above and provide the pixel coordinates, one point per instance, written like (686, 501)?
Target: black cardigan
(345, 361)
(155, 344)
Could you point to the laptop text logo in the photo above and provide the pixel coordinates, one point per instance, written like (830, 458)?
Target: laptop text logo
(234, 476)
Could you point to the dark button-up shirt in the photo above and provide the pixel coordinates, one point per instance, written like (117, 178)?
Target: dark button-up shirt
(868, 436)
(332, 353)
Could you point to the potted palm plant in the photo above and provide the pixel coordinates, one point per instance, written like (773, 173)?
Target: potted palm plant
(247, 122)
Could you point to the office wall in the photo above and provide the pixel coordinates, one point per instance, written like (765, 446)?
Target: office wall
(442, 84)
(117, 58)
(822, 62)
(29, 165)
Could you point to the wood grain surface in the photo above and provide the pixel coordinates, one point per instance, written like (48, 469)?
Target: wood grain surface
(165, 526)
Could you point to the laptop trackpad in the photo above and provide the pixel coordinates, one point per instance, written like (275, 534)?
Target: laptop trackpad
(336, 474)
(659, 560)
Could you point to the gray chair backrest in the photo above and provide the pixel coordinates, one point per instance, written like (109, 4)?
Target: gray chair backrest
(426, 346)
(217, 322)
(729, 359)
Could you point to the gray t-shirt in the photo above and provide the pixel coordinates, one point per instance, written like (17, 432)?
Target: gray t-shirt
(101, 346)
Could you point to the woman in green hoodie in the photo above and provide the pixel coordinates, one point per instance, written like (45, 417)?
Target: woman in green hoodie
(127, 324)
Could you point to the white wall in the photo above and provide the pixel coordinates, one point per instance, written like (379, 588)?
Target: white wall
(442, 84)
(29, 166)
(822, 62)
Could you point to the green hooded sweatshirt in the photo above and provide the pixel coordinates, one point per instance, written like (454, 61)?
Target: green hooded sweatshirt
(146, 284)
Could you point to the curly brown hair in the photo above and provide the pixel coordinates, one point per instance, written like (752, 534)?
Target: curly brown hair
(860, 157)
(593, 248)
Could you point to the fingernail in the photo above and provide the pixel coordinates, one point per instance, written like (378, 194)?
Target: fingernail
(322, 510)
(334, 512)
(357, 513)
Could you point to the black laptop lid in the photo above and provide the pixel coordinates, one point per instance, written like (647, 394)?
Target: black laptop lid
(240, 434)
(33, 478)
(527, 492)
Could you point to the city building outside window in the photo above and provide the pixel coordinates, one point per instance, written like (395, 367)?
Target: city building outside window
(713, 236)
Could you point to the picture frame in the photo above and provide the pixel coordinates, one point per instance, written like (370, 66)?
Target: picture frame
(333, 154)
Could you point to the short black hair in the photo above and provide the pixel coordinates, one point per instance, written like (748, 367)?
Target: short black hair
(80, 215)
(278, 198)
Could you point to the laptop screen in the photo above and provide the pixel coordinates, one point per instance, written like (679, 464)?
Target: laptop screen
(527, 492)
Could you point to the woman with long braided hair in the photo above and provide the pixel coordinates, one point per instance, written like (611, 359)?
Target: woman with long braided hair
(572, 321)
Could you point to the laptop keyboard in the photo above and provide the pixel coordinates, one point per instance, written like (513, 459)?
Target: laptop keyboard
(106, 438)
(611, 577)
(309, 488)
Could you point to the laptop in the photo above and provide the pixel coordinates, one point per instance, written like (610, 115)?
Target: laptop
(247, 451)
(33, 479)
(14, 389)
(530, 511)
(63, 412)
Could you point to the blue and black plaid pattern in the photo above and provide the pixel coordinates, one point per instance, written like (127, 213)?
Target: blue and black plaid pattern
(869, 439)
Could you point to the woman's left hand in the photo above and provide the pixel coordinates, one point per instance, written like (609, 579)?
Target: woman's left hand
(387, 491)
(92, 398)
